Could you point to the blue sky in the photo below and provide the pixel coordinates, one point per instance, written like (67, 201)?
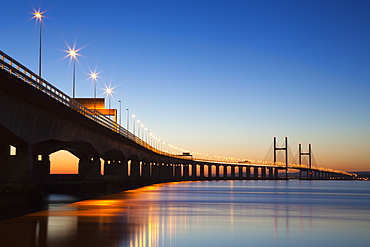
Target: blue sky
(216, 77)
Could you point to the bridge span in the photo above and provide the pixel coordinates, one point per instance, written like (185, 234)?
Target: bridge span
(37, 119)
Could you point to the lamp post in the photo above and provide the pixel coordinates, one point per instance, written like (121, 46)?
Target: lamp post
(120, 111)
(94, 76)
(138, 128)
(109, 92)
(38, 16)
(128, 123)
(72, 53)
(142, 132)
(133, 124)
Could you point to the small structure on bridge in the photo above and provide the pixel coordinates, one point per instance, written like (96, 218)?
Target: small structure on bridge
(97, 104)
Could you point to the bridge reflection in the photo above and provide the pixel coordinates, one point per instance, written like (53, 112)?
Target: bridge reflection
(163, 216)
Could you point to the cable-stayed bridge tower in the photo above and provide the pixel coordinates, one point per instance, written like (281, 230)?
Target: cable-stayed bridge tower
(309, 157)
(286, 154)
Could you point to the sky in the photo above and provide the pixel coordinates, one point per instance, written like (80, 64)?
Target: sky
(220, 77)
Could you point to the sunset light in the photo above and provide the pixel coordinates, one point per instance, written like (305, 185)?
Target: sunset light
(166, 123)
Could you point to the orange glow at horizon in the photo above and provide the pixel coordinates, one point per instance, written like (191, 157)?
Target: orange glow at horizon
(63, 162)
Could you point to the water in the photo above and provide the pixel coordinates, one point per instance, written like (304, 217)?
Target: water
(209, 213)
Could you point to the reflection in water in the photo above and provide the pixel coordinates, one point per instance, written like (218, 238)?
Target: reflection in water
(214, 213)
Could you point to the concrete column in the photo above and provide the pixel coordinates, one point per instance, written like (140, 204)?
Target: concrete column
(232, 172)
(110, 167)
(248, 172)
(89, 167)
(17, 177)
(201, 167)
(210, 171)
(276, 173)
(263, 172)
(124, 168)
(240, 172)
(41, 165)
(145, 170)
(155, 171)
(177, 171)
(4, 156)
(217, 171)
(161, 171)
(185, 171)
(135, 169)
(21, 161)
(194, 171)
(255, 172)
(115, 169)
(271, 173)
(169, 171)
(225, 172)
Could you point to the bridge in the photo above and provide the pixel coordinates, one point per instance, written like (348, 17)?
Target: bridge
(37, 119)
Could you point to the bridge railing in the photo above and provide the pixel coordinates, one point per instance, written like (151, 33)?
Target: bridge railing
(13, 67)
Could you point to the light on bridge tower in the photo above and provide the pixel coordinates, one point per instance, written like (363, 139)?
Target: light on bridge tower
(286, 154)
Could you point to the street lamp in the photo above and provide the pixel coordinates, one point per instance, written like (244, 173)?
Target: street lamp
(128, 114)
(120, 111)
(138, 128)
(142, 132)
(94, 76)
(38, 15)
(146, 133)
(109, 92)
(133, 124)
(151, 139)
(72, 54)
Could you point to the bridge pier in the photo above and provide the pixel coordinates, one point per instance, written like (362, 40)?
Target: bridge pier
(232, 172)
(248, 172)
(155, 170)
(89, 167)
(201, 167)
(169, 171)
(263, 172)
(134, 169)
(177, 171)
(18, 180)
(41, 165)
(224, 172)
(194, 171)
(217, 171)
(162, 171)
(145, 166)
(240, 171)
(186, 171)
(271, 173)
(255, 172)
(210, 172)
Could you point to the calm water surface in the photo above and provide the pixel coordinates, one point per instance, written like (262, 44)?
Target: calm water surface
(209, 213)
